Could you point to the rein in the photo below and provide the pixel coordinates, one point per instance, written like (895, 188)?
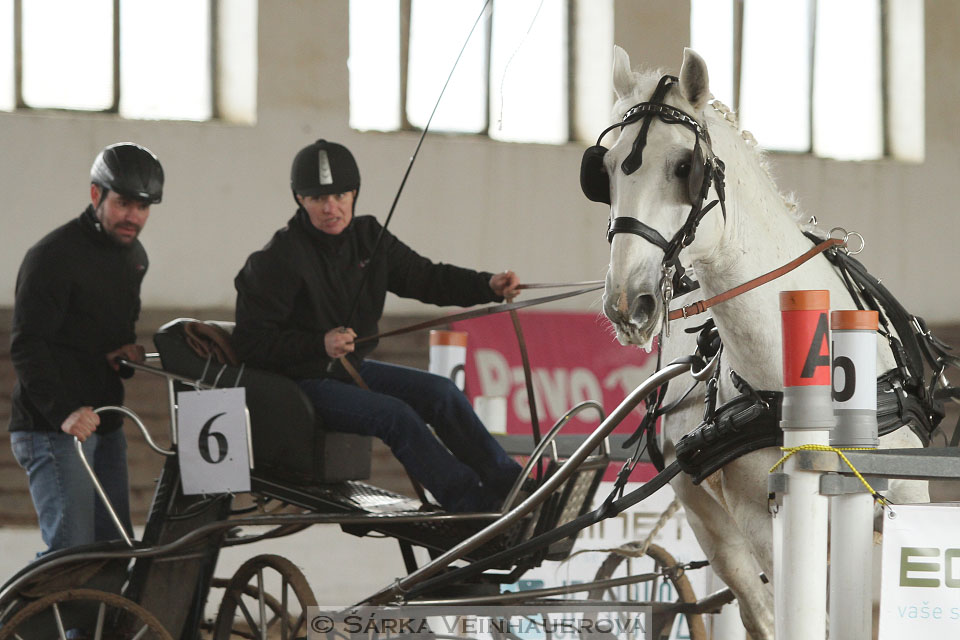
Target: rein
(702, 305)
(486, 311)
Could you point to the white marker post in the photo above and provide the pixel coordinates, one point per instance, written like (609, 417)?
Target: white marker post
(800, 577)
(851, 514)
(448, 355)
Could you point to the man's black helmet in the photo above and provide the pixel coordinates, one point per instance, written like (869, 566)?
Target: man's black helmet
(130, 170)
(323, 168)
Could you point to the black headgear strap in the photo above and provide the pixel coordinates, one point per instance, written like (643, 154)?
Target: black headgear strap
(633, 161)
(713, 174)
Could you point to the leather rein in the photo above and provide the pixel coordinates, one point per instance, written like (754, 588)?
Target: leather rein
(702, 305)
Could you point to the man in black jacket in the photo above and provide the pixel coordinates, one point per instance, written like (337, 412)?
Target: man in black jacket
(294, 316)
(77, 300)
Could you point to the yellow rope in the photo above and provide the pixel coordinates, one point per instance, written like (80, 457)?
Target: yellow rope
(839, 451)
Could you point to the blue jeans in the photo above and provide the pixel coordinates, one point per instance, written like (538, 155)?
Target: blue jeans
(471, 473)
(68, 508)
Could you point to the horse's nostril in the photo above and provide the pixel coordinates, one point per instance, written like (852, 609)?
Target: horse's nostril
(646, 305)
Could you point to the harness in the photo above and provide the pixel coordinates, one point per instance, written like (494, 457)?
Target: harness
(705, 170)
(751, 420)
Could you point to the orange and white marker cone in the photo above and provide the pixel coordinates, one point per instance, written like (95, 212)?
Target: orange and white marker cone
(800, 526)
(854, 378)
(851, 514)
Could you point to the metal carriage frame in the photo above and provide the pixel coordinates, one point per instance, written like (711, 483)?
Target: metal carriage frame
(158, 586)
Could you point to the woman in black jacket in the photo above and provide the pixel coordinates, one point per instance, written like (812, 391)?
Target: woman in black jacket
(293, 299)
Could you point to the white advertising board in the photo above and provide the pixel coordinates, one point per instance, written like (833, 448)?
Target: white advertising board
(920, 595)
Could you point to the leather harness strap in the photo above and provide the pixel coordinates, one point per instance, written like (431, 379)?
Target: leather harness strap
(702, 305)
(354, 374)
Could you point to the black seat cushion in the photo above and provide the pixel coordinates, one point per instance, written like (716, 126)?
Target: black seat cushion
(289, 440)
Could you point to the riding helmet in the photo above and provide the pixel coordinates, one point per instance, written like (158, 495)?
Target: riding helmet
(323, 168)
(130, 170)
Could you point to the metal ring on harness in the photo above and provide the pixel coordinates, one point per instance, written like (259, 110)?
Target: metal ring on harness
(845, 236)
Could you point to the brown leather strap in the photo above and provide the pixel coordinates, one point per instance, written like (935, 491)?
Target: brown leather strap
(354, 374)
(209, 339)
(702, 305)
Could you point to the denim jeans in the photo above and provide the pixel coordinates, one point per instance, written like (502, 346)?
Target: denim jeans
(471, 473)
(68, 508)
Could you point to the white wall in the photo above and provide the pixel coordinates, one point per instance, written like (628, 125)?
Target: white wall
(469, 200)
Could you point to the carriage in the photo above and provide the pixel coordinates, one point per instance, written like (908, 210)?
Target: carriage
(303, 475)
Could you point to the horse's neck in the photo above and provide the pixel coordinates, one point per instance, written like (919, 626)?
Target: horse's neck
(760, 235)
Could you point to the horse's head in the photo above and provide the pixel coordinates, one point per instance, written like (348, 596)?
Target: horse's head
(656, 178)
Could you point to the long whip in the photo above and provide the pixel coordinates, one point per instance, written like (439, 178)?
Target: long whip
(403, 182)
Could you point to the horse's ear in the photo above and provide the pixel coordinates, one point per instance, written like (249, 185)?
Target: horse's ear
(622, 75)
(694, 81)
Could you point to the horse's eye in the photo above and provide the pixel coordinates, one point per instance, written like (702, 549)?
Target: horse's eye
(682, 170)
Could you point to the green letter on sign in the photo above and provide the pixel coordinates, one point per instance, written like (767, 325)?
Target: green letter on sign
(951, 558)
(907, 566)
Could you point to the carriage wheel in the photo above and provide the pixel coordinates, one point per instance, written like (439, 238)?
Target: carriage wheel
(248, 611)
(251, 590)
(681, 584)
(93, 613)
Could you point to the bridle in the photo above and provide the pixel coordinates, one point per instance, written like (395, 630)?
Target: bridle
(706, 169)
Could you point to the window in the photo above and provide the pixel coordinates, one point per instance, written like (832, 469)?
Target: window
(7, 98)
(819, 76)
(138, 58)
(512, 82)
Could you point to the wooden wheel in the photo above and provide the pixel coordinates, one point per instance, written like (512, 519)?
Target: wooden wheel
(249, 611)
(88, 613)
(679, 585)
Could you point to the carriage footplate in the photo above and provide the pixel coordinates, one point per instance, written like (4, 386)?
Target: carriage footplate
(346, 497)
(388, 513)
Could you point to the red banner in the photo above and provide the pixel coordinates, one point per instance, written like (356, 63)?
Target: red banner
(573, 357)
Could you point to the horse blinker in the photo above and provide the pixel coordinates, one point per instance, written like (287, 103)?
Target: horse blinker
(594, 180)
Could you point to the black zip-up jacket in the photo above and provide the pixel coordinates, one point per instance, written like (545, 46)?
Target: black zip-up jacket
(77, 299)
(303, 283)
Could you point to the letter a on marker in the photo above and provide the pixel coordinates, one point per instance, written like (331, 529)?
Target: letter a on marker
(815, 357)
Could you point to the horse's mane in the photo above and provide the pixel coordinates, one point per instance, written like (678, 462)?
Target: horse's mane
(717, 112)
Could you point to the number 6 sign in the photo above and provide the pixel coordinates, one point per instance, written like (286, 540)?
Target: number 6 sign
(212, 441)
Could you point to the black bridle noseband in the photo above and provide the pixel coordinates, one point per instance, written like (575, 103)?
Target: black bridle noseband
(705, 170)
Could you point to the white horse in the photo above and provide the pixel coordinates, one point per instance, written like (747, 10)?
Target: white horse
(760, 232)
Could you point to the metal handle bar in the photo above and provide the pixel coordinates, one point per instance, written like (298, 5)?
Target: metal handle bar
(166, 374)
(93, 476)
(550, 440)
(171, 378)
(668, 372)
(197, 384)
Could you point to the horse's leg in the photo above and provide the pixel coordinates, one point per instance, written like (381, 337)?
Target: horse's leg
(744, 485)
(730, 556)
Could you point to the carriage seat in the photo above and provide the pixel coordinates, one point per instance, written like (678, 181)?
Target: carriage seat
(290, 442)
